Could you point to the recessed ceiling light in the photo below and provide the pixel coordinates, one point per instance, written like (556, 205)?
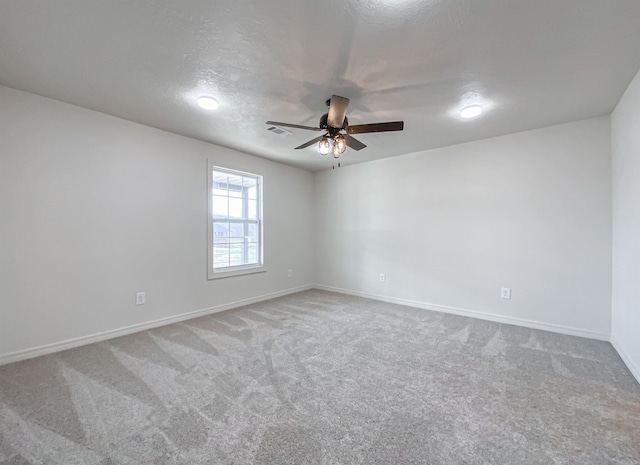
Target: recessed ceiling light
(471, 111)
(208, 103)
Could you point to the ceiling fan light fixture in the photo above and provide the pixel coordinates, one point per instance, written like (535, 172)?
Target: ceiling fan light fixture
(208, 103)
(339, 145)
(323, 146)
(471, 111)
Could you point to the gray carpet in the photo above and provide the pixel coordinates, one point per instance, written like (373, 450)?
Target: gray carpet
(323, 378)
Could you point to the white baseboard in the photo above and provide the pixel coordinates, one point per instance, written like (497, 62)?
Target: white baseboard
(631, 365)
(84, 340)
(476, 314)
(102, 336)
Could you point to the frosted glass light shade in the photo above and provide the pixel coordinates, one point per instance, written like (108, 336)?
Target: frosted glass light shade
(323, 146)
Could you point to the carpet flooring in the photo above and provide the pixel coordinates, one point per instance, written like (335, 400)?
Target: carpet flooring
(323, 378)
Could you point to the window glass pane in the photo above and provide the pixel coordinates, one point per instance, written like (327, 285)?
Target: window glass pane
(221, 250)
(221, 231)
(222, 192)
(252, 209)
(235, 208)
(219, 263)
(252, 232)
(236, 255)
(220, 178)
(220, 181)
(237, 230)
(252, 253)
(220, 206)
(235, 185)
(220, 255)
(250, 188)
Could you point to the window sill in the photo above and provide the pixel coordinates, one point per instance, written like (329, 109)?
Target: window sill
(239, 271)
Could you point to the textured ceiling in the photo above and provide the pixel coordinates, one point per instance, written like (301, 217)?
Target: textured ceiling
(531, 63)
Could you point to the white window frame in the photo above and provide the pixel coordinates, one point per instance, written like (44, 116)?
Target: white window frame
(213, 273)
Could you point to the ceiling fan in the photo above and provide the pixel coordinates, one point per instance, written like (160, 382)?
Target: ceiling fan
(338, 132)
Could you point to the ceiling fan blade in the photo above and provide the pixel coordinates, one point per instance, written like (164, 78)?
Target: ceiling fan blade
(289, 125)
(354, 143)
(337, 111)
(307, 144)
(376, 127)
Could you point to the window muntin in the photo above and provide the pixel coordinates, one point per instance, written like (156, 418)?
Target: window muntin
(235, 223)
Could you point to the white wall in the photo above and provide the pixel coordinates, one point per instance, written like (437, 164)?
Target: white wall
(94, 208)
(451, 226)
(625, 141)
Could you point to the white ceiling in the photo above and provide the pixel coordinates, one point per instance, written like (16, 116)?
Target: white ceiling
(531, 63)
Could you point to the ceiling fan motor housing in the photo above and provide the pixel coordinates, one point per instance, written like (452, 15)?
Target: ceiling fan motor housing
(332, 131)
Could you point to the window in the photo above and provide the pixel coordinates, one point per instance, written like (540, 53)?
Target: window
(235, 224)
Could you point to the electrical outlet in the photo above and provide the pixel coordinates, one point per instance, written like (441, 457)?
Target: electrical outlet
(290, 274)
(505, 293)
(141, 298)
(383, 278)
